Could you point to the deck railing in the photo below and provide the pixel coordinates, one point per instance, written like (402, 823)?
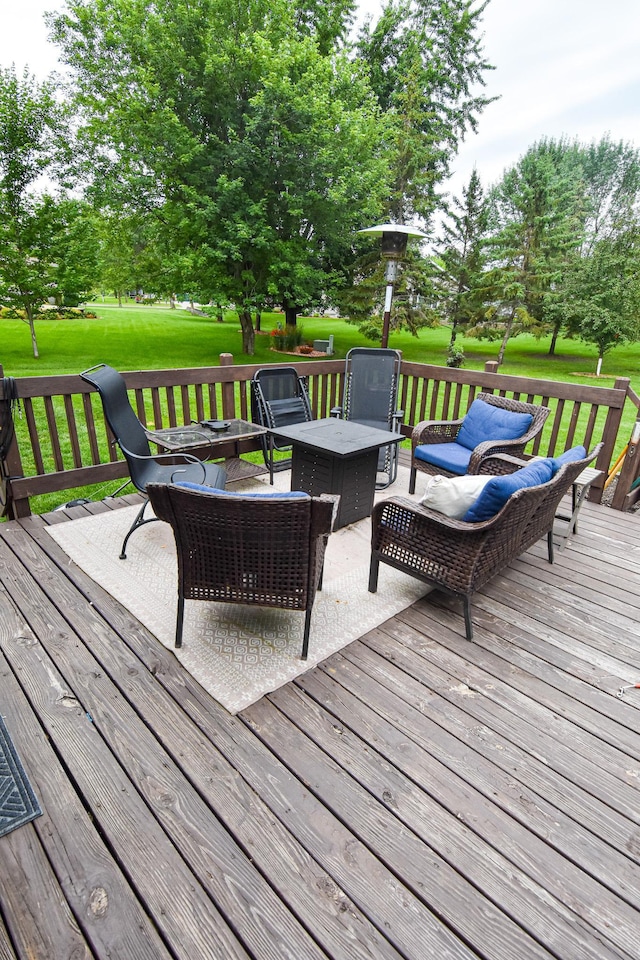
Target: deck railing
(61, 440)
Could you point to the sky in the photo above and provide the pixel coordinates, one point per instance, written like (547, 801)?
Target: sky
(563, 67)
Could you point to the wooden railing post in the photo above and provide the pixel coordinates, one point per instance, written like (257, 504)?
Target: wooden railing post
(11, 468)
(630, 471)
(228, 390)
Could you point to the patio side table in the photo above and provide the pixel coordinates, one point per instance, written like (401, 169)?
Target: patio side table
(219, 441)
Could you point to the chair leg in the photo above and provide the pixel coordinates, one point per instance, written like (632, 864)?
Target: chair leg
(305, 637)
(467, 617)
(138, 522)
(550, 549)
(412, 480)
(179, 620)
(373, 574)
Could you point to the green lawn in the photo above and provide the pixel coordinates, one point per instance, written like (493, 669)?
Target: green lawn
(138, 337)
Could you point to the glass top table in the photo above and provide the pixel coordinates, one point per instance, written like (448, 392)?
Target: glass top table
(208, 435)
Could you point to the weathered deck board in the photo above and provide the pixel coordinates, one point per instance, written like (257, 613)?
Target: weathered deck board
(416, 795)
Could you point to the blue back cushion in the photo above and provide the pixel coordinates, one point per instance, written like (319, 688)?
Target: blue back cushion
(450, 456)
(569, 456)
(486, 422)
(291, 495)
(499, 489)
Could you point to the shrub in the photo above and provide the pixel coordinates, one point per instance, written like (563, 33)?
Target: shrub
(455, 357)
(288, 338)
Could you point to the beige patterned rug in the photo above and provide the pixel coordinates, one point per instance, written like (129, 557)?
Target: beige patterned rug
(238, 653)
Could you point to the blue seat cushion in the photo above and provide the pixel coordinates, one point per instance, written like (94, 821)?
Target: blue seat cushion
(449, 456)
(200, 488)
(499, 489)
(486, 422)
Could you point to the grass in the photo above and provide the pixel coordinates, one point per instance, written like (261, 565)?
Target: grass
(139, 337)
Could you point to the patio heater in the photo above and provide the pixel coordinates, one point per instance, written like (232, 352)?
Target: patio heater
(393, 248)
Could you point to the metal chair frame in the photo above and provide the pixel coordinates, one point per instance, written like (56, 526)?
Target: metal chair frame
(371, 383)
(278, 398)
(129, 434)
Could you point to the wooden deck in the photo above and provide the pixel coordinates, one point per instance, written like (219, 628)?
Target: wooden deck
(416, 796)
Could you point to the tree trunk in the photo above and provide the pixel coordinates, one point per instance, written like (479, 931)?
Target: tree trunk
(554, 340)
(505, 339)
(219, 313)
(258, 320)
(32, 330)
(248, 333)
(290, 316)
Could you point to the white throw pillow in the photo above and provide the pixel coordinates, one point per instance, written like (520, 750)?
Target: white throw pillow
(453, 495)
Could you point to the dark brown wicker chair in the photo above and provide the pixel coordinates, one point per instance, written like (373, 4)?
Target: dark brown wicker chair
(446, 431)
(265, 549)
(460, 557)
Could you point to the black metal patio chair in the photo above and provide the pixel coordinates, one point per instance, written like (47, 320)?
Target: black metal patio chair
(144, 467)
(278, 399)
(371, 380)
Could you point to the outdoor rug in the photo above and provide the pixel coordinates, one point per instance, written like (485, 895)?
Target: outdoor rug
(236, 652)
(18, 804)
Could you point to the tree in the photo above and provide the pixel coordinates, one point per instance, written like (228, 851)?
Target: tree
(533, 233)
(258, 167)
(603, 292)
(31, 146)
(425, 60)
(462, 258)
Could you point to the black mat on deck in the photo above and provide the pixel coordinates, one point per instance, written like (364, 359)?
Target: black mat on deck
(18, 803)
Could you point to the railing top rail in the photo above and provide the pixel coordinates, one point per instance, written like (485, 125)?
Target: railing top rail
(60, 384)
(561, 389)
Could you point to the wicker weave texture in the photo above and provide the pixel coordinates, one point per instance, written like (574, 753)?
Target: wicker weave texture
(244, 549)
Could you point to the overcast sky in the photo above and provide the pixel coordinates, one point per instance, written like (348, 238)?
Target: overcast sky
(562, 67)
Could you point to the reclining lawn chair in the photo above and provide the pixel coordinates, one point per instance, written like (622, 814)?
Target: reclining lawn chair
(129, 434)
(371, 380)
(278, 399)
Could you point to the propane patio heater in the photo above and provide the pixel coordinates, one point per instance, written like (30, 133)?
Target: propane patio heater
(393, 248)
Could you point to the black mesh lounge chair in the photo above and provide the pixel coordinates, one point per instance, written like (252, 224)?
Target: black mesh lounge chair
(263, 549)
(278, 399)
(144, 468)
(371, 380)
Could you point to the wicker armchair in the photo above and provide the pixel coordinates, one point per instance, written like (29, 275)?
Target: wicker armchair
(264, 549)
(447, 431)
(460, 557)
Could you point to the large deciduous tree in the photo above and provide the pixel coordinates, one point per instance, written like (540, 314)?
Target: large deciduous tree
(257, 146)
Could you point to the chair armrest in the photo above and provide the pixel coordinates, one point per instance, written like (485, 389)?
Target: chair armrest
(334, 500)
(493, 447)
(323, 510)
(500, 464)
(402, 515)
(435, 431)
(168, 459)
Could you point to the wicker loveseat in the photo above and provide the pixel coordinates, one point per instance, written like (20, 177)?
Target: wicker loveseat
(460, 556)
